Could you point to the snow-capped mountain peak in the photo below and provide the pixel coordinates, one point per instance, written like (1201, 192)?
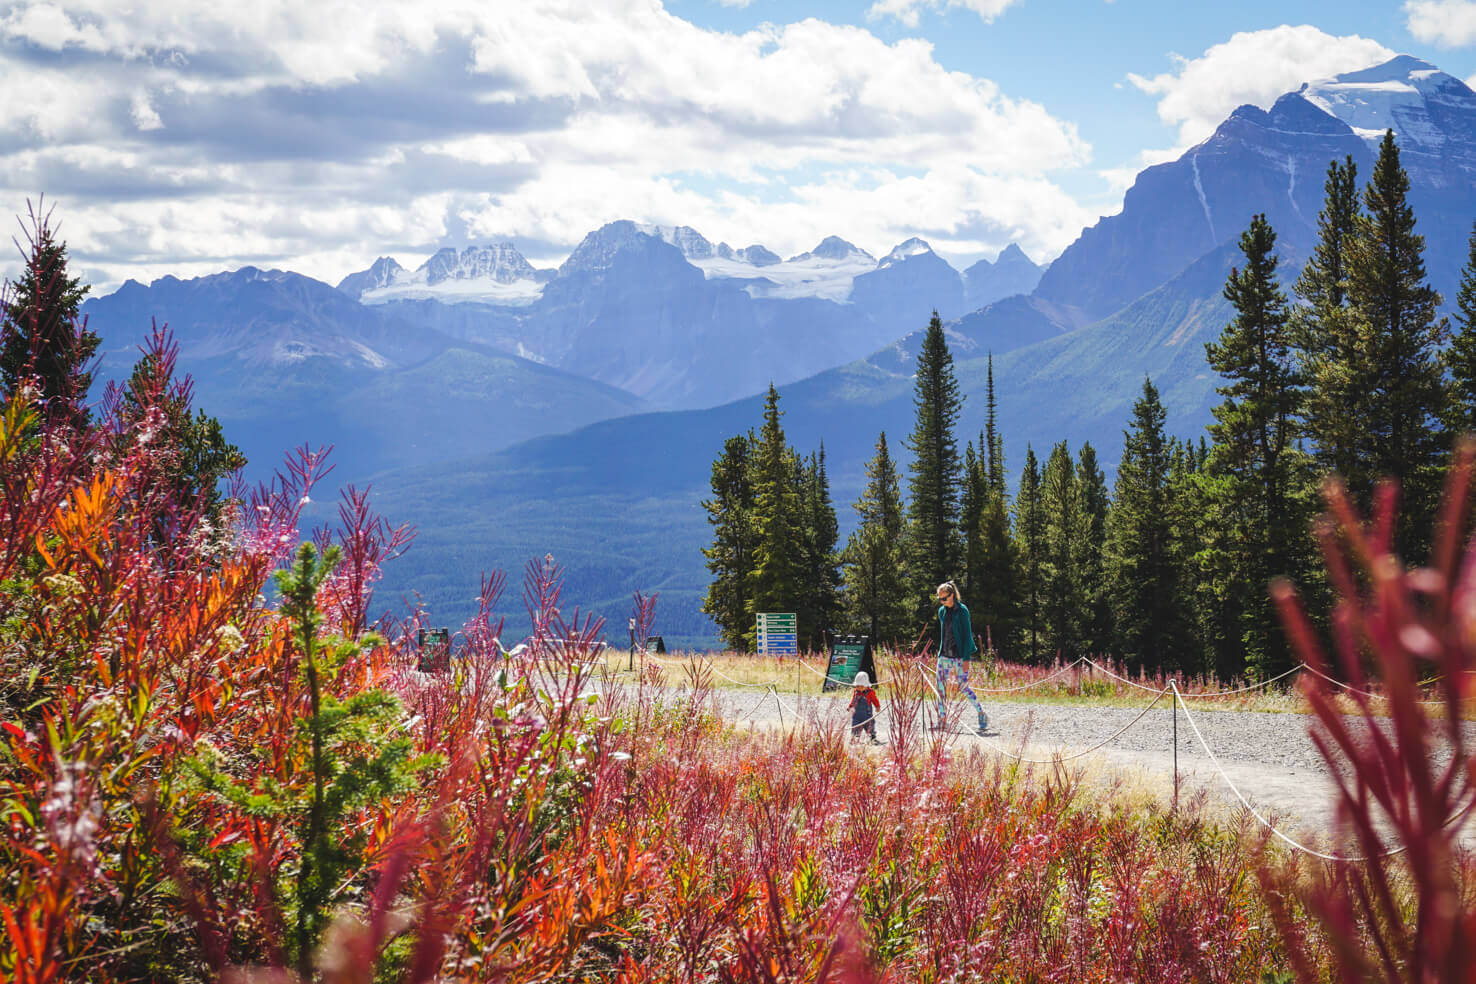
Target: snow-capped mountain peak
(836, 249)
(494, 274)
(755, 255)
(905, 251)
(500, 263)
(693, 244)
(1405, 93)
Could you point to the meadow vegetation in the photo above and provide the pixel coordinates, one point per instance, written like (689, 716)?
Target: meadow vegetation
(202, 785)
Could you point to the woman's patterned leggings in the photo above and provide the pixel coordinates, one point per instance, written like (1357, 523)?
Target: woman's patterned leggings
(960, 669)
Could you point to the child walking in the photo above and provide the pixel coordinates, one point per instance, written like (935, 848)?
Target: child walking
(864, 705)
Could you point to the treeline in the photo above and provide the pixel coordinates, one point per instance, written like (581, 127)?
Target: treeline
(1353, 374)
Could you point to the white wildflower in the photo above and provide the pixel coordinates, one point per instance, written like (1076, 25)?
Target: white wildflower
(230, 639)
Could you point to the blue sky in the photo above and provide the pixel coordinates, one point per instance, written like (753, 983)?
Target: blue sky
(176, 137)
(1075, 57)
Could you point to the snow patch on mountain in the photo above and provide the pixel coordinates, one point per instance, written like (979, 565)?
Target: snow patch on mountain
(828, 271)
(904, 251)
(496, 274)
(1400, 94)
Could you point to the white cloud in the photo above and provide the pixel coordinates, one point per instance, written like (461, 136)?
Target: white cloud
(1447, 23)
(1252, 67)
(907, 11)
(316, 136)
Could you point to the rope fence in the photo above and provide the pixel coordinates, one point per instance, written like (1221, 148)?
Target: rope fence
(1054, 675)
(1178, 703)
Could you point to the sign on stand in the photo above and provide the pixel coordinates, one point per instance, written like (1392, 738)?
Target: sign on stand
(849, 655)
(778, 634)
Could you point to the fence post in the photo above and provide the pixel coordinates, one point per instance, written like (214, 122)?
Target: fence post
(1175, 688)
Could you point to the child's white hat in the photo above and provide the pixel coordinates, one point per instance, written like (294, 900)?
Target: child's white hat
(862, 680)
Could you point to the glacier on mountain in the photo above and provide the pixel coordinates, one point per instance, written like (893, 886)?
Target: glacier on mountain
(1399, 93)
(496, 274)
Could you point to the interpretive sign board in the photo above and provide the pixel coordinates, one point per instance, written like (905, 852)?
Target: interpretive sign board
(778, 634)
(435, 649)
(849, 655)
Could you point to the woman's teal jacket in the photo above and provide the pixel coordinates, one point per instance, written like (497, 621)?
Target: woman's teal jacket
(963, 633)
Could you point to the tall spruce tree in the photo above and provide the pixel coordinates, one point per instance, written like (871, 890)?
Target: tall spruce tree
(777, 582)
(1141, 572)
(933, 486)
(971, 510)
(1262, 529)
(1460, 417)
(1096, 616)
(730, 559)
(994, 605)
(820, 605)
(992, 445)
(1197, 625)
(1061, 588)
(1324, 332)
(1394, 308)
(875, 587)
(1030, 549)
(42, 338)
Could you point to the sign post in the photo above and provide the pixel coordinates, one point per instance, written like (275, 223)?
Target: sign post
(778, 634)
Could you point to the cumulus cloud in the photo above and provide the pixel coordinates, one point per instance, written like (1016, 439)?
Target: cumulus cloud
(176, 135)
(908, 11)
(1252, 67)
(1447, 23)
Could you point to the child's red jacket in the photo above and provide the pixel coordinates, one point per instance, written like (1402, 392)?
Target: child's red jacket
(866, 692)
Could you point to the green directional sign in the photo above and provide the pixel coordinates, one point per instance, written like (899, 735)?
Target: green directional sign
(778, 634)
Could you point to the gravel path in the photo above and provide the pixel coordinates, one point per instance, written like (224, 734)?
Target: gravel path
(1270, 757)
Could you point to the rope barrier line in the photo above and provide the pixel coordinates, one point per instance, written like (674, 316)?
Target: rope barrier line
(754, 710)
(1211, 693)
(1076, 755)
(1355, 690)
(1035, 683)
(1256, 813)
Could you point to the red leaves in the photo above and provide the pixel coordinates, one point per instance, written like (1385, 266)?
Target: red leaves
(1406, 781)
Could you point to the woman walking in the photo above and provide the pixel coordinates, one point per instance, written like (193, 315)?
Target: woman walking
(955, 644)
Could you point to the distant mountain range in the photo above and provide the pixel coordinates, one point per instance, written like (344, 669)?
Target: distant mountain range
(668, 316)
(1138, 294)
(397, 366)
(282, 359)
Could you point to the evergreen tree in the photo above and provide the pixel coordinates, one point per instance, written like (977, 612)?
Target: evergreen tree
(994, 605)
(875, 588)
(820, 606)
(1460, 358)
(971, 511)
(1199, 626)
(1394, 308)
(200, 457)
(991, 446)
(1062, 602)
(1263, 532)
(730, 511)
(777, 581)
(1030, 551)
(1141, 575)
(1096, 616)
(41, 336)
(933, 487)
(1324, 332)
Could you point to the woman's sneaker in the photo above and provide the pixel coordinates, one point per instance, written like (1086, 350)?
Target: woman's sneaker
(983, 722)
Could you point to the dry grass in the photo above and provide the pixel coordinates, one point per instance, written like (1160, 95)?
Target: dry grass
(802, 676)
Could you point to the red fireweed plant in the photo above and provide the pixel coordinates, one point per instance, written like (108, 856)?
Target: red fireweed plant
(1405, 772)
